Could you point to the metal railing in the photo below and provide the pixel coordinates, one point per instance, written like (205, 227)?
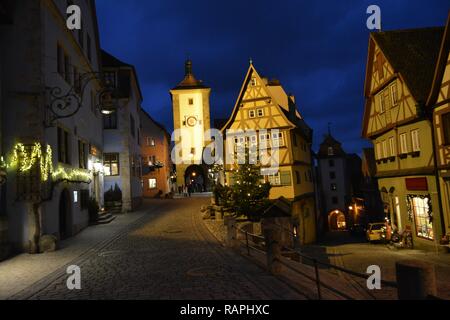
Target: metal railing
(250, 244)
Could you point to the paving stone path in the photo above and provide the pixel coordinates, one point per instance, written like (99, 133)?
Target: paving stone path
(167, 254)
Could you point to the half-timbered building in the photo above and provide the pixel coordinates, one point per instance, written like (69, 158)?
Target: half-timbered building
(439, 103)
(399, 74)
(265, 119)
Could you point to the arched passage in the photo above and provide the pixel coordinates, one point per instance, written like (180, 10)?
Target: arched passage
(65, 215)
(336, 221)
(195, 178)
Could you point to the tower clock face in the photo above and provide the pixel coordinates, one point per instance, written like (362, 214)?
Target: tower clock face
(191, 121)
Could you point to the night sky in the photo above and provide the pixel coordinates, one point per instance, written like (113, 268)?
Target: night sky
(317, 49)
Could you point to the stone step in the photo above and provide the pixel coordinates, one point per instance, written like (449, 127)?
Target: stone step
(104, 218)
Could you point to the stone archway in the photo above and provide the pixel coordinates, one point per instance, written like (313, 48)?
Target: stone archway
(65, 215)
(337, 221)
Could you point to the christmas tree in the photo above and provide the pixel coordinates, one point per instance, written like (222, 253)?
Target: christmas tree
(249, 196)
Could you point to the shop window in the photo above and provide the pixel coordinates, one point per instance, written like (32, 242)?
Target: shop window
(420, 209)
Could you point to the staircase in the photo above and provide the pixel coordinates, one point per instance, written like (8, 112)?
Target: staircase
(104, 218)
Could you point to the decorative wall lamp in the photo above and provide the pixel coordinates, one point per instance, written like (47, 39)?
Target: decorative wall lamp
(63, 105)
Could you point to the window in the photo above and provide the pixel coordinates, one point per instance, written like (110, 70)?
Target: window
(333, 187)
(446, 128)
(260, 112)
(110, 79)
(110, 121)
(132, 126)
(152, 183)
(332, 175)
(277, 139)
(330, 151)
(421, 210)
(331, 163)
(392, 147)
(251, 114)
(63, 146)
(150, 142)
(111, 164)
(82, 155)
(385, 149)
(403, 143)
(382, 102)
(253, 82)
(394, 94)
(264, 141)
(88, 44)
(378, 151)
(298, 178)
(415, 140)
(191, 101)
(335, 200)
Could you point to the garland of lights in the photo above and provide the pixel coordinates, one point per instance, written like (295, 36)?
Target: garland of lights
(24, 161)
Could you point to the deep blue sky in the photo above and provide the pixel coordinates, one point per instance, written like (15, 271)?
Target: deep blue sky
(317, 49)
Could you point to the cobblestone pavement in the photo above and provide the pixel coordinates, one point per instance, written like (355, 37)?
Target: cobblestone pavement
(356, 254)
(167, 254)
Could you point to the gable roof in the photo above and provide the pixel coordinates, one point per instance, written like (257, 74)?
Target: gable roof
(277, 94)
(330, 142)
(109, 61)
(412, 53)
(160, 126)
(440, 65)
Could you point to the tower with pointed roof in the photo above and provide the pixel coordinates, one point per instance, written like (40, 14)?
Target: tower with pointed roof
(191, 119)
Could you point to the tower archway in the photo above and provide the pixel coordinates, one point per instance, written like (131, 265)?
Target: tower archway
(337, 221)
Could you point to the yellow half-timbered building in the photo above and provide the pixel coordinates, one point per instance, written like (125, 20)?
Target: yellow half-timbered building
(439, 103)
(399, 75)
(265, 119)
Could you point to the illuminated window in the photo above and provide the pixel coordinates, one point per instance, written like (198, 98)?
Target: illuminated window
(394, 94)
(330, 151)
(415, 140)
(333, 187)
(150, 142)
(385, 149)
(152, 183)
(111, 164)
(403, 143)
(391, 147)
(277, 139)
(421, 211)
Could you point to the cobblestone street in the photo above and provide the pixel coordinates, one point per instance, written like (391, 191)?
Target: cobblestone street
(166, 254)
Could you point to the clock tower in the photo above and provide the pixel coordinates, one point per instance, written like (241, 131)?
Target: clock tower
(191, 117)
